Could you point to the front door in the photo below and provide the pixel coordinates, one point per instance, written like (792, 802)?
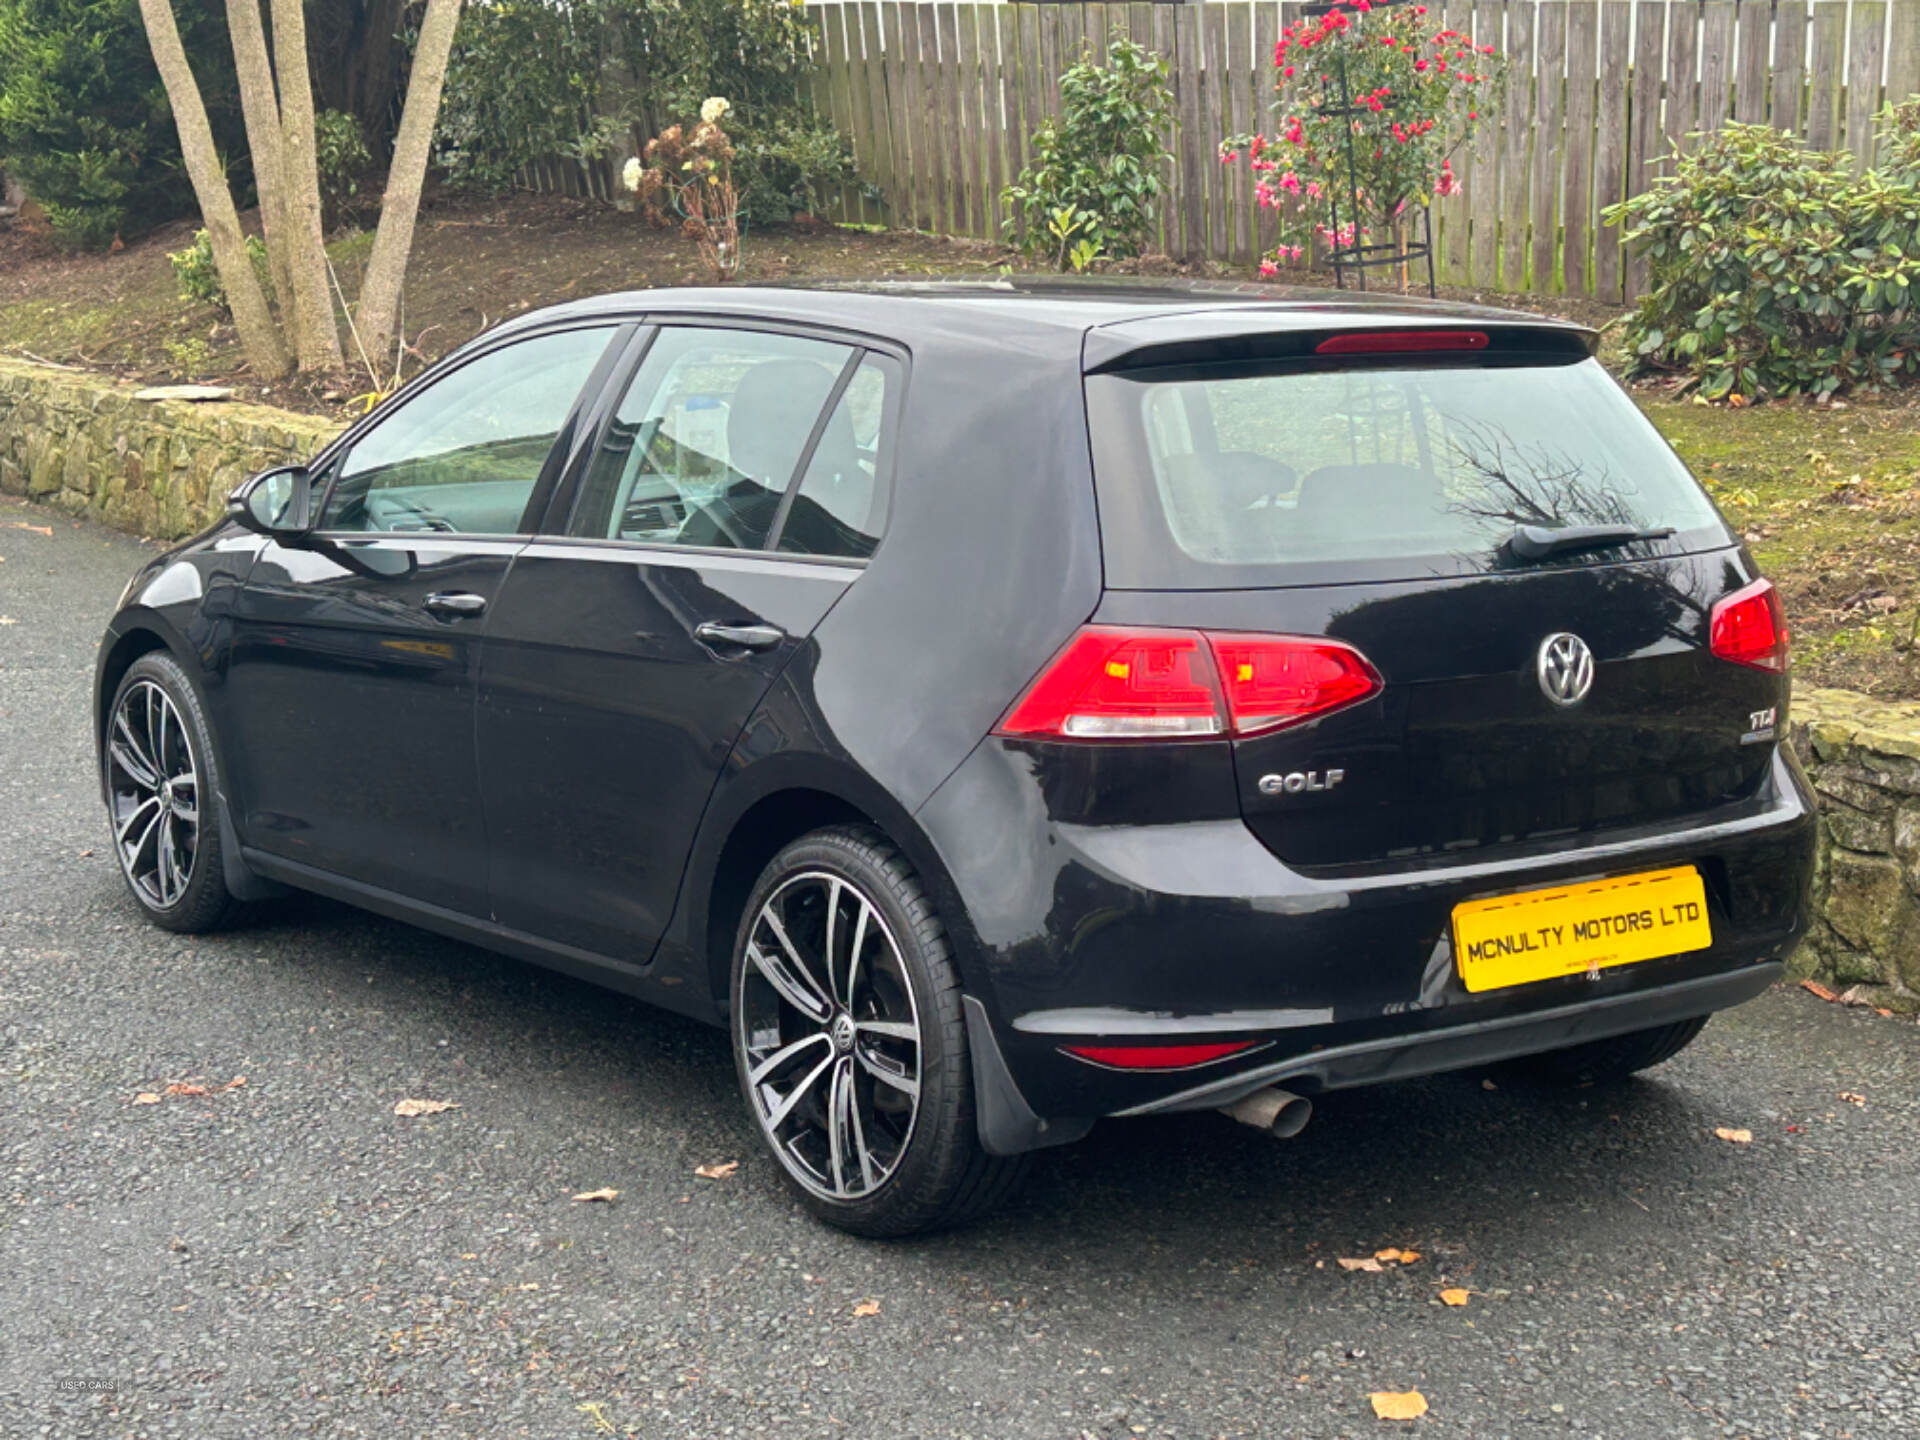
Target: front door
(729, 504)
(351, 679)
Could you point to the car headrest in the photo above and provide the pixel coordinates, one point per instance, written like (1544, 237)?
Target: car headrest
(1212, 496)
(1399, 490)
(770, 415)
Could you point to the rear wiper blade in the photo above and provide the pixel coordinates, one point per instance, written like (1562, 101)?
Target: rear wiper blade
(1531, 543)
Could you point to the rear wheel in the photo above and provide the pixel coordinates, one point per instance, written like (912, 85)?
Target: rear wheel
(1599, 1061)
(849, 1040)
(163, 797)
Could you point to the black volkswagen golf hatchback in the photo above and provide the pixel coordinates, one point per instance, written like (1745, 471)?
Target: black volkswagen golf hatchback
(1001, 706)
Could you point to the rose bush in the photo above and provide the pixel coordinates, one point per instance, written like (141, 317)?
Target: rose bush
(1415, 94)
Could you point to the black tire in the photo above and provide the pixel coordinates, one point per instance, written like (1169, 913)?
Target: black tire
(203, 903)
(1600, 1061)
(939, 1175)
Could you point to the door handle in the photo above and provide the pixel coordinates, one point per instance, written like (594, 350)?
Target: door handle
(453, 604)
(738, 637)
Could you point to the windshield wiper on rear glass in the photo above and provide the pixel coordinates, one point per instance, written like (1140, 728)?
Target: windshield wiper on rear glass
(1530, 544)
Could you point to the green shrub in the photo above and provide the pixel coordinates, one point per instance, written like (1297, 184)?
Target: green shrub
(523, 75)
(530, 79)
(1776, 270)
(194, 272)
(1099, 164)
(794, 166)
(84, 121)
(342, 158)
(190, 358)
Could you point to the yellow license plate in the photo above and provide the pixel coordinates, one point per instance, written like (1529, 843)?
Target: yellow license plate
(1543, 934)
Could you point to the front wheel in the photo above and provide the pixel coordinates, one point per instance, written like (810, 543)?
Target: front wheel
(163, 797)
(1600, 1061)
(849, 1041)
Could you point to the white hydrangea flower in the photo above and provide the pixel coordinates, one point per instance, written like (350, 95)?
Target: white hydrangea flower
(630, 174)
(714, 108)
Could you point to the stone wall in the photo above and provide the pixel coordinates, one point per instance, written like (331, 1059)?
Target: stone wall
(1863, 757)
(156, 467)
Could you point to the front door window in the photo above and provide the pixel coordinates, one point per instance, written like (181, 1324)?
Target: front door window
(462, 457)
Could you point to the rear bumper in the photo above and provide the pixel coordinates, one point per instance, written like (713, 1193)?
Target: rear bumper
(1163, 932)
(1405, 1057)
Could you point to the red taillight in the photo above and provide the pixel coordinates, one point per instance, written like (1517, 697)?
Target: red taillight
(1399, 342)
(1750, 628)
(1115, 683)
(1159, 1057)
(1275, 680)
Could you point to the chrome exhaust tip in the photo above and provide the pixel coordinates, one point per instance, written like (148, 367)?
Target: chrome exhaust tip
(1281, 1113)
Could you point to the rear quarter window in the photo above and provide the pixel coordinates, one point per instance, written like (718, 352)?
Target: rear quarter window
(1239, 476)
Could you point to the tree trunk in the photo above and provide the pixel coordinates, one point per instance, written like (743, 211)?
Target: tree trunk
(393, 241)
(262, 110)
(314, 329)
(251, 318)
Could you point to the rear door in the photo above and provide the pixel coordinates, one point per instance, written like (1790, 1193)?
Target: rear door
(732, 496)
(1375, 499)
(355, 651)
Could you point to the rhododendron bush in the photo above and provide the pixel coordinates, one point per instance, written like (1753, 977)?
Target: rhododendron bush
(1415, 92)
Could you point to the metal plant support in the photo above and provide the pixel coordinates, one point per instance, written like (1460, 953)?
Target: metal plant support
(1359, 257)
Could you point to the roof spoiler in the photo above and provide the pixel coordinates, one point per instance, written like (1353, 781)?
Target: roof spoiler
(1238, 337)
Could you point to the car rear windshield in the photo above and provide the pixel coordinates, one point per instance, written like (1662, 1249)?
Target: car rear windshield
(1216, 477)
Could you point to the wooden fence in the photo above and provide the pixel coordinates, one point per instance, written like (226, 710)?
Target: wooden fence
(940, 101)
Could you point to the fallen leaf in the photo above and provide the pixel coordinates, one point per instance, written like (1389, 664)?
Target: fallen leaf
(181, 1089)
(1369, 1264)
(86, 854)
(46, 530)
(1455, 1297)
(1398, 1405)
(235, 1083)
(1734, 1137)
(592, 1411)
(1853, 1097)
(719, 1170)
(146, 1097)
(1814, 987)
(867, 1307)
(410, 1108)
(1488, 1085)
(604, 1193)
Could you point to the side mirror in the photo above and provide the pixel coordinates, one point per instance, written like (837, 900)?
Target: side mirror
(276, 503)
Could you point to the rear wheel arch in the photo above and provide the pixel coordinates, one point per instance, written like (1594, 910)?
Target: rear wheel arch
(774, 820)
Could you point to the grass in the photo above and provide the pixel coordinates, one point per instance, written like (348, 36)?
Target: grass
(1829, 501)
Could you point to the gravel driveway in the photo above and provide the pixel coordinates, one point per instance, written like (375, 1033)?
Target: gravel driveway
(286, 1257)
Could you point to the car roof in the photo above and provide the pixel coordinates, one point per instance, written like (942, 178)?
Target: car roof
(990, 308)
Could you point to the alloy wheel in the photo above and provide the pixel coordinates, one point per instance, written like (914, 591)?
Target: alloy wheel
(153, 794)
(831, 1036)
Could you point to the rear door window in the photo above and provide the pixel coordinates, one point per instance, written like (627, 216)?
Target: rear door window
(1223, 477)
(707, 438)
(841, 505)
